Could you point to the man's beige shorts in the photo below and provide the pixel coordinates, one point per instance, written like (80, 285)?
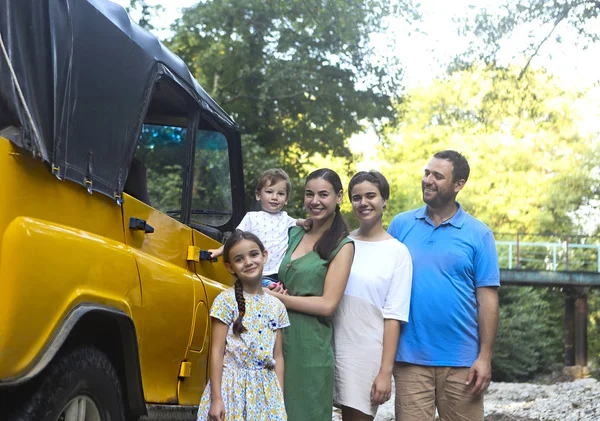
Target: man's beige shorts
(421, 389)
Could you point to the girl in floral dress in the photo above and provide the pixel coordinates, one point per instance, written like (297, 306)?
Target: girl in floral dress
(246, 363)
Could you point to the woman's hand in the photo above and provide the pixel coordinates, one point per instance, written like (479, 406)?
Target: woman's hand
(381, 390)
(217, 410)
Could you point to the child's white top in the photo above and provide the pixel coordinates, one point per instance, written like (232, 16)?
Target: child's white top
(272, 230)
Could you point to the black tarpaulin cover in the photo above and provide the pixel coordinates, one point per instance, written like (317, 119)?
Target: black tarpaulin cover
(76, 77)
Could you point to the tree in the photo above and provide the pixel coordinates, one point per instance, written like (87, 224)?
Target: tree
(530, 338)
(297, 72)
(531, 168)
(594, 326)
(145, 13)
(299, 75)
(543, 21)
(530, 165)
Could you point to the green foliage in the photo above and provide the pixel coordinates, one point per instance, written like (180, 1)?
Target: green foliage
(144, 12)
(164, 187)
(211, 189)
(530, 168)
(257, 159)
(530, 339)
(296, 75)
(161, 150)
(594, 327)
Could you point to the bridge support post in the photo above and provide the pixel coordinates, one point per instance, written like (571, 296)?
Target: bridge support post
(581, 322)
(576, 320)
(569, 328)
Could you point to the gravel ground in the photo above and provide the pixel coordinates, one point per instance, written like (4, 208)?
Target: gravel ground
(578, 400)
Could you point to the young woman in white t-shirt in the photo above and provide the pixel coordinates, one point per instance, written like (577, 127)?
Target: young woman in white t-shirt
(271, 224)
(366, 325)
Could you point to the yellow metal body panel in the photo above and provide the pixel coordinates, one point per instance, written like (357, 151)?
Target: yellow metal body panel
(200, 332)
(60, 246)
(61, 267)
(167, 295)
(211, 270)
(189, 389)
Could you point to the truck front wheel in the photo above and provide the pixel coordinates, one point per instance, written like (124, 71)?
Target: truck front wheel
(81, 385)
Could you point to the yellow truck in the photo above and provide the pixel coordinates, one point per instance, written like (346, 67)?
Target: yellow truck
(117, 171)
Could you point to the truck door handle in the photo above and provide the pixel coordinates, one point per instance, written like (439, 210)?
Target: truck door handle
(205, 255)
(197, 255)
(137, 224)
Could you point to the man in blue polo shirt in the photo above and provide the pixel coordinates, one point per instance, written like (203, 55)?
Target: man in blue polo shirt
(445, 350)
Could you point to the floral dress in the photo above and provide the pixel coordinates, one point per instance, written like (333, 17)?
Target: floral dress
(249, 385)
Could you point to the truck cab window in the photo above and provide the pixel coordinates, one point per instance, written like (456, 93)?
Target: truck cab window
(161, 151)
(211, 194)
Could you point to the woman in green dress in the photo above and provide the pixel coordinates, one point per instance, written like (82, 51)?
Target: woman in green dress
(314, 273)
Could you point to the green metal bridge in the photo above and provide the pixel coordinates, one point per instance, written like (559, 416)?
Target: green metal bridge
(571, 263)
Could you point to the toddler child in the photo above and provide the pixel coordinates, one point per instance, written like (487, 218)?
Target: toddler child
(271, 224)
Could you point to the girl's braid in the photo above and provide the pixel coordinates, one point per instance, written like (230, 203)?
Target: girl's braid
(238, 326)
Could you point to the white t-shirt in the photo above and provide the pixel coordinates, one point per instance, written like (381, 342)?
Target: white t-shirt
(381, 274)
(272, 230)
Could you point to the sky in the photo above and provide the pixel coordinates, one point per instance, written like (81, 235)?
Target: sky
(425, 54)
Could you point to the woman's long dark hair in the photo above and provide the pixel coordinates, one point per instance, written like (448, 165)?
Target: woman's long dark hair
(339, 228)
(236, 237)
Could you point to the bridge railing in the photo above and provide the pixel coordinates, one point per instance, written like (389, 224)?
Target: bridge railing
(548, 252)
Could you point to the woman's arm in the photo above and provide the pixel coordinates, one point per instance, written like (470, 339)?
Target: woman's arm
(335, 284)
(382, 385)
(217, 352)
(278, 355)
(395, 310)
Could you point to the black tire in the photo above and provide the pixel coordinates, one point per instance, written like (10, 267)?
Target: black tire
(84, 373)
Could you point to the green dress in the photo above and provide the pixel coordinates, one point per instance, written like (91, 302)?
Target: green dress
(308, 380)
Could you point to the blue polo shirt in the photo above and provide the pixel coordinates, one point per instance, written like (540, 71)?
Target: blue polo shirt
(449, 262)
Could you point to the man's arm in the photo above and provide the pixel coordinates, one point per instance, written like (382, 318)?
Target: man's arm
(487, 318)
